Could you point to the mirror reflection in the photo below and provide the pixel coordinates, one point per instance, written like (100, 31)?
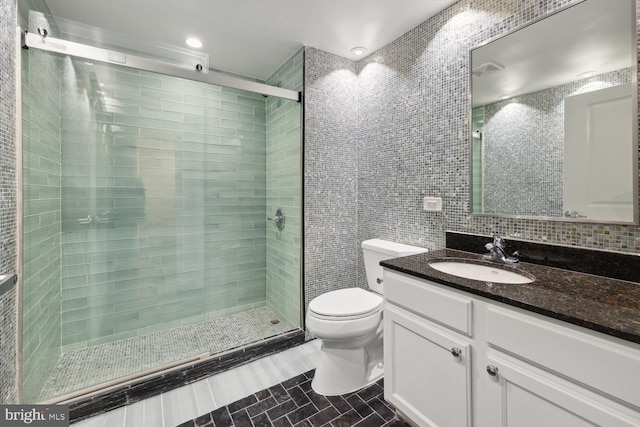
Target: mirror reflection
(554, 116)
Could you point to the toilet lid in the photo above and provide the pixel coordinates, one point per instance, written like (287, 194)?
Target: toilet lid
(346, 302)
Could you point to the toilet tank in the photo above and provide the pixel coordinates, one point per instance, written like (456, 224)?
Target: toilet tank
(376, 250)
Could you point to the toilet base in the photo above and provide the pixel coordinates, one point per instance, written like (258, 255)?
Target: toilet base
(345, 370)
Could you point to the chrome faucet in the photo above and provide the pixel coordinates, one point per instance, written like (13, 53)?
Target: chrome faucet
(497, 251)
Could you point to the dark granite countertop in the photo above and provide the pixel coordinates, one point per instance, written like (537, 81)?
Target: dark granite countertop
(610, 306)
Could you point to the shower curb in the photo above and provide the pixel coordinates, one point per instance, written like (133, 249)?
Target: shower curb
(132, 392)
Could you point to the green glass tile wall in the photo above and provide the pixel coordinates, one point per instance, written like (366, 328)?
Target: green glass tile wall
(284, 190)
(163, 203)
(146, 198)
(41, 299)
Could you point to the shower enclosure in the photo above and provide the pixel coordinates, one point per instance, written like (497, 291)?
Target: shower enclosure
(145, 200)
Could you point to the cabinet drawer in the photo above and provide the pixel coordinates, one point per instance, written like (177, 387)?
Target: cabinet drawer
(607, 366)
(431, 302)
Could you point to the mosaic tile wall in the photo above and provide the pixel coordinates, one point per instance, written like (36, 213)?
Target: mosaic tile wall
(427, 130)
(41, 215)
(8, 347)
(284, 190)
(330, 172)
(163, 203)
(524, 148)
(411, 140)
(8, 306)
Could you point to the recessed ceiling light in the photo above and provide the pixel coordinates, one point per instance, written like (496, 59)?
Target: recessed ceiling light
(359, 51)
(194, 43)
(505, 97)
(587, 74)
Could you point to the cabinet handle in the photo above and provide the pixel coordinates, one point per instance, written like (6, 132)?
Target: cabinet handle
(456, 352)
(492, 370)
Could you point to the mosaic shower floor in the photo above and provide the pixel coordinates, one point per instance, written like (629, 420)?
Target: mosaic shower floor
(86, 367)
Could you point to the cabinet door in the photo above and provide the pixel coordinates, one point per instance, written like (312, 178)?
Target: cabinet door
(521, 395)
(423, 377)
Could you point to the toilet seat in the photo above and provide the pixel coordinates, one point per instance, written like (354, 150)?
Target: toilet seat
(345, 304)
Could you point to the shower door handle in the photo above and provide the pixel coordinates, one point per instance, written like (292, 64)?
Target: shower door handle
(87, 220)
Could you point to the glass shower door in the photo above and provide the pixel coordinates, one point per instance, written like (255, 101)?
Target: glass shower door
(145, 206)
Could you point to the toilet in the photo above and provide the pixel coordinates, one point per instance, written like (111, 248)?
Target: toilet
(349, 324)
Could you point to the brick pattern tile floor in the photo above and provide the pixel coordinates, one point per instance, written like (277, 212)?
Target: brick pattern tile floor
(294, 403)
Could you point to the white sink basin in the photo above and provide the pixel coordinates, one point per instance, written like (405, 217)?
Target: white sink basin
(482, 271)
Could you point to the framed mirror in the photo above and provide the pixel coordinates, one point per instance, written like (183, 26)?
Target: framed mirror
(554, 117)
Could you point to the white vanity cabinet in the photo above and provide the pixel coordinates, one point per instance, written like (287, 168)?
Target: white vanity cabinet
(427, 365)
(514, 369)
(431, 374)
(550, 371)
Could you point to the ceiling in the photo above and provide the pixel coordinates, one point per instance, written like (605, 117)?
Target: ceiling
(254, 37)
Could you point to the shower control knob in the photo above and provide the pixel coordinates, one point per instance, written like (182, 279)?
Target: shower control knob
(456, 352)
(278, 219)
(492, 370)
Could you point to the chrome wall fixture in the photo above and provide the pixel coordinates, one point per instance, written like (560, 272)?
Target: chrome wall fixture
(278, 219)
